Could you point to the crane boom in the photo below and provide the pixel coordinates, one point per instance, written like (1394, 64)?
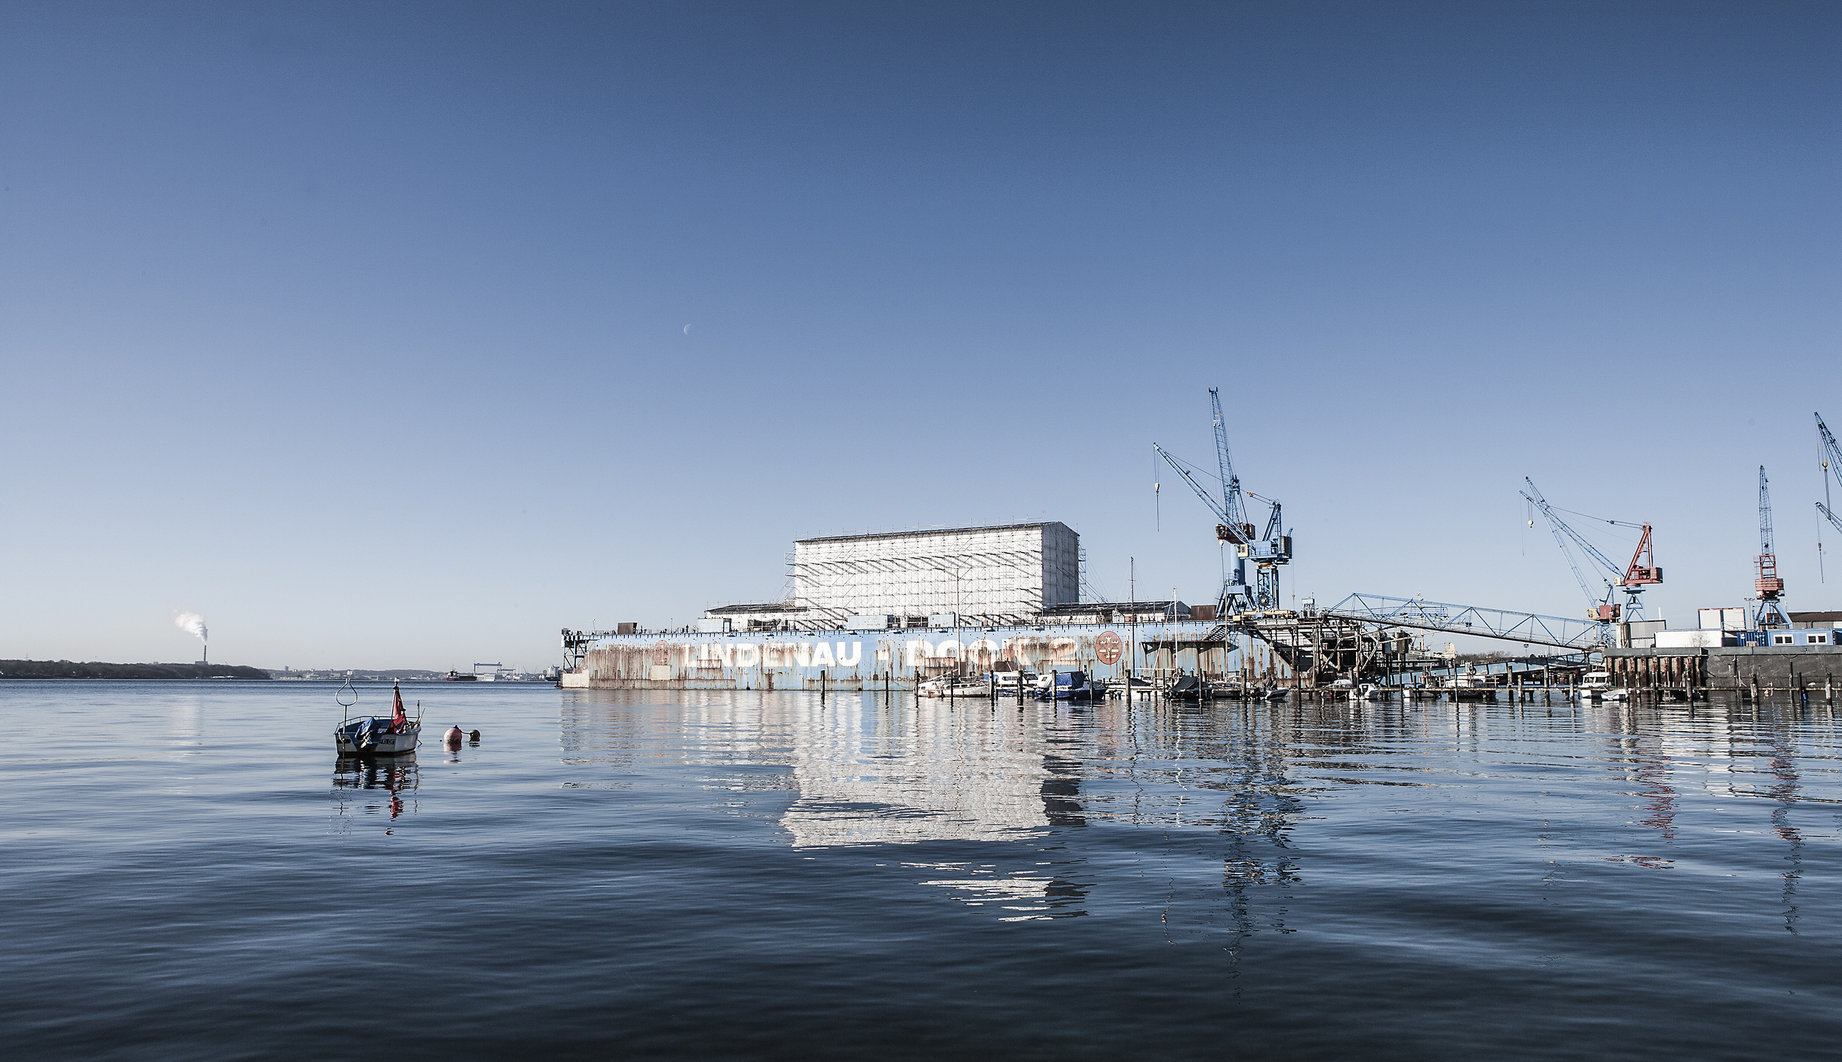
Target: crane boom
(1602, 608)
(1829, 515)
(1832, 467)
(1832, 453)
(1234, 509)
(1554, 519)
(1214, 504)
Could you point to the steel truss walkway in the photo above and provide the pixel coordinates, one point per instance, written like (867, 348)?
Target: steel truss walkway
(1579, 635)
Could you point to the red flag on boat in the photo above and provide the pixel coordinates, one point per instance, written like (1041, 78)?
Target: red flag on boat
(402, 717)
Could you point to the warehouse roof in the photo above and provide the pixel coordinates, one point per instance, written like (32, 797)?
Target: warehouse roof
(935, 531)
(1110, 606)
(1817, 617)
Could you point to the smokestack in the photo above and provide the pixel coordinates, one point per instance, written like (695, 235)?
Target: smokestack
(193, 623)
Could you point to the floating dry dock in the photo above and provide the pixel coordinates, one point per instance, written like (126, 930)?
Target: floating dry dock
(846, 660)
(892, 609)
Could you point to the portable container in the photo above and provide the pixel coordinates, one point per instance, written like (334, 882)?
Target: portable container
(1690, 639)
(1721, 619)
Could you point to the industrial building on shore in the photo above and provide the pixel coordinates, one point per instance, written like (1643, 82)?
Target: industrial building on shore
(888, 610)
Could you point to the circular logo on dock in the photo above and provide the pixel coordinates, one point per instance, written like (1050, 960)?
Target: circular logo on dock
(661, 653)
(1108, 647)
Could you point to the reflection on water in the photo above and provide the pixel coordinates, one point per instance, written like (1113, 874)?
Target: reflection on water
(741, 874)
(1785, 792)
(1242, 788)
(382, 785)
(186, 726)
(918, 772)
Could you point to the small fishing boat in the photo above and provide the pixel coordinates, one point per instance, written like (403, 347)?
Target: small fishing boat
(375, 735)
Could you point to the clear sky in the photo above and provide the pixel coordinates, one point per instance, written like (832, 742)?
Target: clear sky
(407, 334)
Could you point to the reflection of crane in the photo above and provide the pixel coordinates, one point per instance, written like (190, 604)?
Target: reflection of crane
(1832, 466)
(1268, 551)
(1632, 578)
(1769, 587)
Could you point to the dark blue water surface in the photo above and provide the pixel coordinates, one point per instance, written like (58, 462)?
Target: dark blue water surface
(188, 870)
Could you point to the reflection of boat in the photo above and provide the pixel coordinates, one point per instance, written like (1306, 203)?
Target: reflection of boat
(394, 776)
(375, 735)
(1597, 686)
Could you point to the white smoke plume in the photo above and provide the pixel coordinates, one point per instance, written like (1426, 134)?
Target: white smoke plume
(193, 623)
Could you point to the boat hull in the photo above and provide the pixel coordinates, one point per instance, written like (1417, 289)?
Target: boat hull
(354, 739)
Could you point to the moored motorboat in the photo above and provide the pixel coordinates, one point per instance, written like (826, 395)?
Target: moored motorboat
(375, 735)
(1065, 686)
(1597, 686)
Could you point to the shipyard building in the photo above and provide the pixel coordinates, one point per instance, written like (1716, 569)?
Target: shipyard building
(1001, 575)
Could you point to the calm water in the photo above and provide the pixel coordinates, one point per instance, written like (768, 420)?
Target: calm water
(188, 870)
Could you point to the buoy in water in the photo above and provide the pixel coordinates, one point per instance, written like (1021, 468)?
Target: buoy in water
(452, 738)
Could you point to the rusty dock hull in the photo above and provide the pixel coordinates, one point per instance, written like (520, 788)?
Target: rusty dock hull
(876, 660)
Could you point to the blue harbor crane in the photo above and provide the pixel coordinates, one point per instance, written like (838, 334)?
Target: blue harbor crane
(1632, 578)
(1268, 549)
(1767, 584)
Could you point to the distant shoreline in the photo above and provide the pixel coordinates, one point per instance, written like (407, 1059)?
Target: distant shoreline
(66, 669)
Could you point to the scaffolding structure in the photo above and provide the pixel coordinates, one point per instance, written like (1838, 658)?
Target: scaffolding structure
(982, 576)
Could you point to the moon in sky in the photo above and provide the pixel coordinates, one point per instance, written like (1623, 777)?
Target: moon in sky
(687, 330)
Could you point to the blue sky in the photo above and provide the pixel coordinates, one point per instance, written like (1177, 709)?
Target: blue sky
(361, 329)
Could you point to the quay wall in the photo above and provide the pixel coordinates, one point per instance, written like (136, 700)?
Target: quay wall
(1731, 667)
(874, 660)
